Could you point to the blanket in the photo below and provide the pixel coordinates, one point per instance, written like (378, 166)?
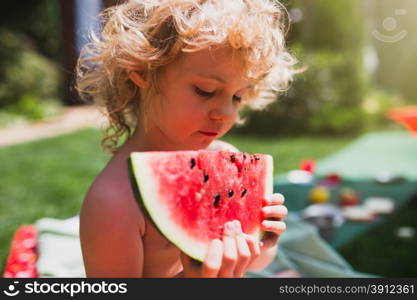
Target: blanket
(300, 249)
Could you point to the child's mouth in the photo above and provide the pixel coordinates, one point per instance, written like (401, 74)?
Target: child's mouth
(208, 133)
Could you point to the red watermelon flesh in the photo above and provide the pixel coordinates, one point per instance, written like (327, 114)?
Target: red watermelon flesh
(190, 195)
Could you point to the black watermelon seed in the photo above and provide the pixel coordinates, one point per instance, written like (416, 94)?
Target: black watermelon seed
(243, 193)
(206, 177)
(244, 156)
(216, 200)
(230, 194)
(232, 158)
(257, 157)
(192, 162)
(251, 160)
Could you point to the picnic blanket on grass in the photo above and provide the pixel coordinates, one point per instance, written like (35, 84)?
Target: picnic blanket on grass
(376, 154)
(363, 166)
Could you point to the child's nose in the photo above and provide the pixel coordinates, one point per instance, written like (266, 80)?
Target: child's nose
(223, 111)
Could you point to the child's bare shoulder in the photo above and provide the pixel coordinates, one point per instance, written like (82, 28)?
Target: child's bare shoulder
(111, 196)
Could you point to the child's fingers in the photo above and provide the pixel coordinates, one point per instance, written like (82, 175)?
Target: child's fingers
(276, 199)
(229, 251)
(273, 230)
(244, 254)
(253, 245)
(213, 260)
(275, 212)
(211, 264)
(276, 227)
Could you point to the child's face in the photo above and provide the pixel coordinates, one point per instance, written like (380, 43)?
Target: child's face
(200, 94)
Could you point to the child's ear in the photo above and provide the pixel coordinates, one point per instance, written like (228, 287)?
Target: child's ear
(139, 78)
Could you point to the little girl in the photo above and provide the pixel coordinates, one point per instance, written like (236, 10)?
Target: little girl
(174, 75)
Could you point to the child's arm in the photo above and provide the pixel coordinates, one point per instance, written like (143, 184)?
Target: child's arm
(110, 237)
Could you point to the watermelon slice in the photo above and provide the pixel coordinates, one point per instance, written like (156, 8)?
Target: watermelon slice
(190, 195)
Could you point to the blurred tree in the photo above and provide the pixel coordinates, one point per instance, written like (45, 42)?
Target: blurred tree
(38, 25)
(39, 20)
(328, 37)
(29, 82)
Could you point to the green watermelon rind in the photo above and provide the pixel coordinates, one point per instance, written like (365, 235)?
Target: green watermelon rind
(145, 190)
(137, 193)
(148, 192)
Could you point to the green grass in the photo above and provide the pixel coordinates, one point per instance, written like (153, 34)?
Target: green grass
(381, 252)
(49, 178)
(45, 178)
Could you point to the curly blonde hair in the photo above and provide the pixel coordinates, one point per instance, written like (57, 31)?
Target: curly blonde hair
(146, 35)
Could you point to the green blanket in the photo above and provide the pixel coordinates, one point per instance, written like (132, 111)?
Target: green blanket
(393, 153)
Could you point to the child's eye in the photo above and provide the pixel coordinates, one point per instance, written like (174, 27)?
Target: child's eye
(210, 94)
(203, 93)
(237, 99)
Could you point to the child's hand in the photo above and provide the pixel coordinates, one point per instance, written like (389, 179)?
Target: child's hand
(274, 213)
(232, 256)
(227, 258)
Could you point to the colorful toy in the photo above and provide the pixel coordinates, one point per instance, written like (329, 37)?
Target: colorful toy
(319, 194)
(331, 181)
(308, 165)
(348, 197)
